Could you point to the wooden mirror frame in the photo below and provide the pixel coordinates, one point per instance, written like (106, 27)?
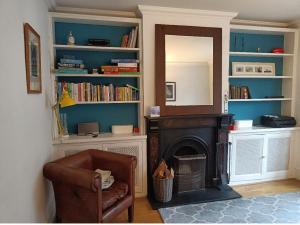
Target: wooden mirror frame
(160, 68)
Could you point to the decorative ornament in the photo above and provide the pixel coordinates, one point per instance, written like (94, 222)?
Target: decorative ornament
(71, 39)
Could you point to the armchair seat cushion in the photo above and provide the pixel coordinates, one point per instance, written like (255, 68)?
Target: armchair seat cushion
(116, 192)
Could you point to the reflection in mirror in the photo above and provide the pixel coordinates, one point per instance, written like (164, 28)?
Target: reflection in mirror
(189, 70)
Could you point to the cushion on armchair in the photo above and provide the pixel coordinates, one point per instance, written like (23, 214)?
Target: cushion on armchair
(114, 193)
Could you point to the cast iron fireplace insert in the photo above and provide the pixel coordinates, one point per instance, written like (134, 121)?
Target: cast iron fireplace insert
(200, 136)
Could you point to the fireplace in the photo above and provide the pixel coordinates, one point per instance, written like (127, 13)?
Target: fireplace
(196, 147)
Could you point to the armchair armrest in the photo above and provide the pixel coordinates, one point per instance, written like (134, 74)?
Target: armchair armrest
(75, 176)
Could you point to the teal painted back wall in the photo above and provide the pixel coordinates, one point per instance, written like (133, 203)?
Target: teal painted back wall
(244, 42)
(259, 88)
(105, 114)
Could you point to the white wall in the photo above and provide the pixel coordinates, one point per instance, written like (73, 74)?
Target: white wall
(174, 16)
(25, 134)
(192, 82)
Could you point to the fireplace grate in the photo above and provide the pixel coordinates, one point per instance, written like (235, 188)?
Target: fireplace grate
(189, 172)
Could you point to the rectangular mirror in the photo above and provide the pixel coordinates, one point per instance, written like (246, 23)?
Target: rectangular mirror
(188, 69)
(189, 73)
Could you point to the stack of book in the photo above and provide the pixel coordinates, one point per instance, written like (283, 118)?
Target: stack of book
(236, 92)
(71, 66)
(88, 92)
(130, 40)
(121, 66)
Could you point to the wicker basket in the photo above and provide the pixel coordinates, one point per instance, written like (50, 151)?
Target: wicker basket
(163, 189)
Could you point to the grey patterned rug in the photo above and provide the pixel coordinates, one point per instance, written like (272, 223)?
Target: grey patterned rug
(280, 208)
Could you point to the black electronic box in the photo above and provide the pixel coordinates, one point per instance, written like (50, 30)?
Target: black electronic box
(278, 121)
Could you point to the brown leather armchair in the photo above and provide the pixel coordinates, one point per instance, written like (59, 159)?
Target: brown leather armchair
(77, 188)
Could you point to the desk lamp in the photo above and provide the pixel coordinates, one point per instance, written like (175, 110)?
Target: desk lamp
(64, 101)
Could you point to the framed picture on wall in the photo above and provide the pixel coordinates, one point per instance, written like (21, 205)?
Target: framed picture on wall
(32, 59)
(170, 91)
(253, 68)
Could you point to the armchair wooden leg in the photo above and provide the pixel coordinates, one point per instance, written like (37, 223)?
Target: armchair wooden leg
(131, 214)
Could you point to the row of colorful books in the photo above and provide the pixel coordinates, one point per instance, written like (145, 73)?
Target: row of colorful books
(88, 92)
(237, 92)
(70, 65)
(121, 66)
(130, 40)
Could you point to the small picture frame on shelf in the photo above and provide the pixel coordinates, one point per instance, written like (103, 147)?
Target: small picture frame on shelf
(32, 60)
(154, 111)
(170, 91)
(253, 68)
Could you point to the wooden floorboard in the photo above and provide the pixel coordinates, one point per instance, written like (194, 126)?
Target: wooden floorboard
(144, 213)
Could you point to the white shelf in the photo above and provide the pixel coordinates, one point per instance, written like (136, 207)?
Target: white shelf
(259, 54)
(260, 99)
(108, 102)
(260, 77)
(101, 137)
(95, 19)
(261, 129)
(97, 75)
(252, 29)
(95, 48)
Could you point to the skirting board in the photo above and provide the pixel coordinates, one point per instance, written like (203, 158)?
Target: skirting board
(297, 174)
(235, 183)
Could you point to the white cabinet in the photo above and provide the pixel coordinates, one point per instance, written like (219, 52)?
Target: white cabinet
(131, 145)
(135, 148)
(246, 157)
(258, 157)
(277, 154)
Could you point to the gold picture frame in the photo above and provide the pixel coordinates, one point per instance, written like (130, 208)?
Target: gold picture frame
(32, 45)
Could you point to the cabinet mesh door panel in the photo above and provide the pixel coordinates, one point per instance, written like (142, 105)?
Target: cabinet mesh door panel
(249, 156)
(278, 154)
(127, 150)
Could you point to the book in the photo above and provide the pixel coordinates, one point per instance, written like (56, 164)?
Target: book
(135, 37)
(116, 61)
(70, 65)
(72, 71)
(116, 69)
(130, 73)
(128, 85)
(127, 64)
(236, 92)
(127, 69)
(109, 68)
(88, 92)
(110, 73)
(129, 39)
(71, 61)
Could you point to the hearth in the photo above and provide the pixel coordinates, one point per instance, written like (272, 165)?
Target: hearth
(196, 147)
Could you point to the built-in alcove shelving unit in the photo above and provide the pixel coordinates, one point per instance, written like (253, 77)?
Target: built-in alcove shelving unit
(255, 44)
(109, 112)
(83, 27)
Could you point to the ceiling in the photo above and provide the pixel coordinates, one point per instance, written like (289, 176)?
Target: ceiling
(265, 10)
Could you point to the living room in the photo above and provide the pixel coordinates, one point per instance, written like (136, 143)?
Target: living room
(150, 111)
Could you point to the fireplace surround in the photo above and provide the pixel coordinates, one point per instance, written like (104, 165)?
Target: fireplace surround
(200, 136)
